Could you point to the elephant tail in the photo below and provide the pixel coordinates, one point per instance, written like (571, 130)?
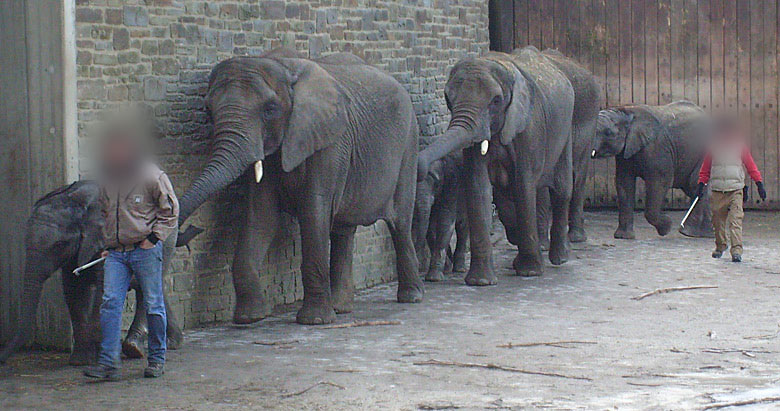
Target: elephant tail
(33, 284)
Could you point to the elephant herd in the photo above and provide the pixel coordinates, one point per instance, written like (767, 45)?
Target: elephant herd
(334, 142)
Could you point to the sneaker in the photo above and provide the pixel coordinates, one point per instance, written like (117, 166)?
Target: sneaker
(736, 258)
(102, 372)
(717, 254)
(153, 370)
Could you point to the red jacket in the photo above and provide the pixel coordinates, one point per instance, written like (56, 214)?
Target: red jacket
(747, 161)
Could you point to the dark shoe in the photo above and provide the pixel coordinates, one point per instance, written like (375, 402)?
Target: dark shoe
(736, 258)
(154, 370)
(717, 254)
(102, 372)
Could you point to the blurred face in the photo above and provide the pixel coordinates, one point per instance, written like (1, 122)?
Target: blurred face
(120, 154)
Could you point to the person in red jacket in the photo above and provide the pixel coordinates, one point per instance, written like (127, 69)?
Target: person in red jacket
(723, 170)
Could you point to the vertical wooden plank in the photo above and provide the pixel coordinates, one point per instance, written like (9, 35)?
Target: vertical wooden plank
(501, 24)
(664, 51)
(561, 25)
(703, 69)
(534, 22)
(757, 107)
(14, 160)
(730, 56)
(546, 10)
(638, 51)
(717, 56)
(521, 23)
(651, 52)
(677, 14)
(770, 100)
(599, 168)
(626, 64)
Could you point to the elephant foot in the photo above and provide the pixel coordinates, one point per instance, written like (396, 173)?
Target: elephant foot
(343, 301)
(481, 275)
(559, 254)
(315, 313)
(434, 276)
(528, 266)
(624, 234)
(133, 345)
(544, 243)
(175, 339)
(410, 293)
(577, 235)
(248, 310)
(664, 226)
(697, 232)
(83, 356)
(459, 265)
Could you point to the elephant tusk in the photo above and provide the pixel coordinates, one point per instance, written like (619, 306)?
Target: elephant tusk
(483, 148)
(593, 154)
(258, 171)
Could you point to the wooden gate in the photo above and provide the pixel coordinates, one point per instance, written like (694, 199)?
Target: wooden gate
(722, 54)
(32, 149)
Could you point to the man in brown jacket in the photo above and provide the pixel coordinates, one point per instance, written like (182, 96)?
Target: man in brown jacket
(140, 210)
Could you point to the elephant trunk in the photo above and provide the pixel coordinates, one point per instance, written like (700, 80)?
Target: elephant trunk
(33, 284)
(228, 161)
(456, 138)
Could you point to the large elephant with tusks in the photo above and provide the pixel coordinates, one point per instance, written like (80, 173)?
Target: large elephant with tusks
(512, 115)
(333, 142)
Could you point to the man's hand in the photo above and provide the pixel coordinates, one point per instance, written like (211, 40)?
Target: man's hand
(104, 254)
(761, 190)
(700, 190)
(146, 244)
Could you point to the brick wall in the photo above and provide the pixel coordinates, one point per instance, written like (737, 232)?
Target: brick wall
(160, 52)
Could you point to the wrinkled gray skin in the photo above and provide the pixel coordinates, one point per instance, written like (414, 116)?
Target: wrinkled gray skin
(64, 231)
(439, 211)
(338, 141)
(522, 104)
(586, 110)
(664, 146)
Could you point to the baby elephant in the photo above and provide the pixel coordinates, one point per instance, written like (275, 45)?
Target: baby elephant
(65, 231)
(662, 145)
(438, 211)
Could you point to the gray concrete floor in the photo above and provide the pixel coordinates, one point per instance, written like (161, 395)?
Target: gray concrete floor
(680, 350)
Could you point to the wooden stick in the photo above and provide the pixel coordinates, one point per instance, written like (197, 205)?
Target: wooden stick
(672, 289)
(361, 324)
(315, 385)
(498, 367)
(559, 344)
(741, 403)
(288, 342)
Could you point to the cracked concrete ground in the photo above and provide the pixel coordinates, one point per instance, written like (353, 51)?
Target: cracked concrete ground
(679, 350)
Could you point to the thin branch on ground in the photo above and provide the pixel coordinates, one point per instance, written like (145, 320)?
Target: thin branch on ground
(313, 386)
(742, 403)
(361, 324)
(639, 384)
(672, 289)
(558, 344)
(272, 343)
(498, 367)
(746, 353)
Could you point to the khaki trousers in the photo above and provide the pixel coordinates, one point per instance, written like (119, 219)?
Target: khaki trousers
(727, 217)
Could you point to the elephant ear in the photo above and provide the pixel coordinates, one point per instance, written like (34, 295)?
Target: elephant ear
(319, 115)
(518, 113)
(644, 128)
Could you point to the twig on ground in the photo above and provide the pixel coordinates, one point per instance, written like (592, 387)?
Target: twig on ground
(741, 403)
(313, 386)
(558, 344)
(762, 337)
(498, 367)
(639, 384)
(272, 343)
(679, 351)
(746, 353)
(437, 406)
(362, 324)
(344, 370)
(672, 289)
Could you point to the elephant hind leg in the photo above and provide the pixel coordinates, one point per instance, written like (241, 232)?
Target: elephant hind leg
(655, 193)
(543, 218)
(77, 298)
(410, 287)
(342, 288)
(133, 345)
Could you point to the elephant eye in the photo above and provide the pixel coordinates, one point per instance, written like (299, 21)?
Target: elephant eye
(496, 101)
(271, 111)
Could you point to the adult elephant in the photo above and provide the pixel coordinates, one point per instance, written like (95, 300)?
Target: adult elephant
(662, 145)
(63, 232)
(583, 129)
(512, 113)
(440, 210)
(331, 141)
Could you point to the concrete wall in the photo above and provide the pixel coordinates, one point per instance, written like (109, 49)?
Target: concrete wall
(160, 52)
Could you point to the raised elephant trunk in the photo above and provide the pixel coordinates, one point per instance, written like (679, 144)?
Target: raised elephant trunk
(456, 138)
(34, 278)
(229, 160)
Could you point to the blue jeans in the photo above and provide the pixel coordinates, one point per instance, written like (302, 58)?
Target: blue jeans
(120, 266)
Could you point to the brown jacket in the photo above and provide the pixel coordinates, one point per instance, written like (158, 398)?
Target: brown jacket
(139, 208)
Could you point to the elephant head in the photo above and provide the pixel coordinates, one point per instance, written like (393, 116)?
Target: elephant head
(625, 131)
(261, 106)
(490, 101)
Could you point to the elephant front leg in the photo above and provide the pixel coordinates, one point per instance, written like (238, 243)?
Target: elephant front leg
(625, 182)
(443, 225)
(342, 288)
(529, 261)
(655, 193)
(577, 209)
(560, 198)
(478, 196)
(77, 298)
(315, 267)
(260, 224)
